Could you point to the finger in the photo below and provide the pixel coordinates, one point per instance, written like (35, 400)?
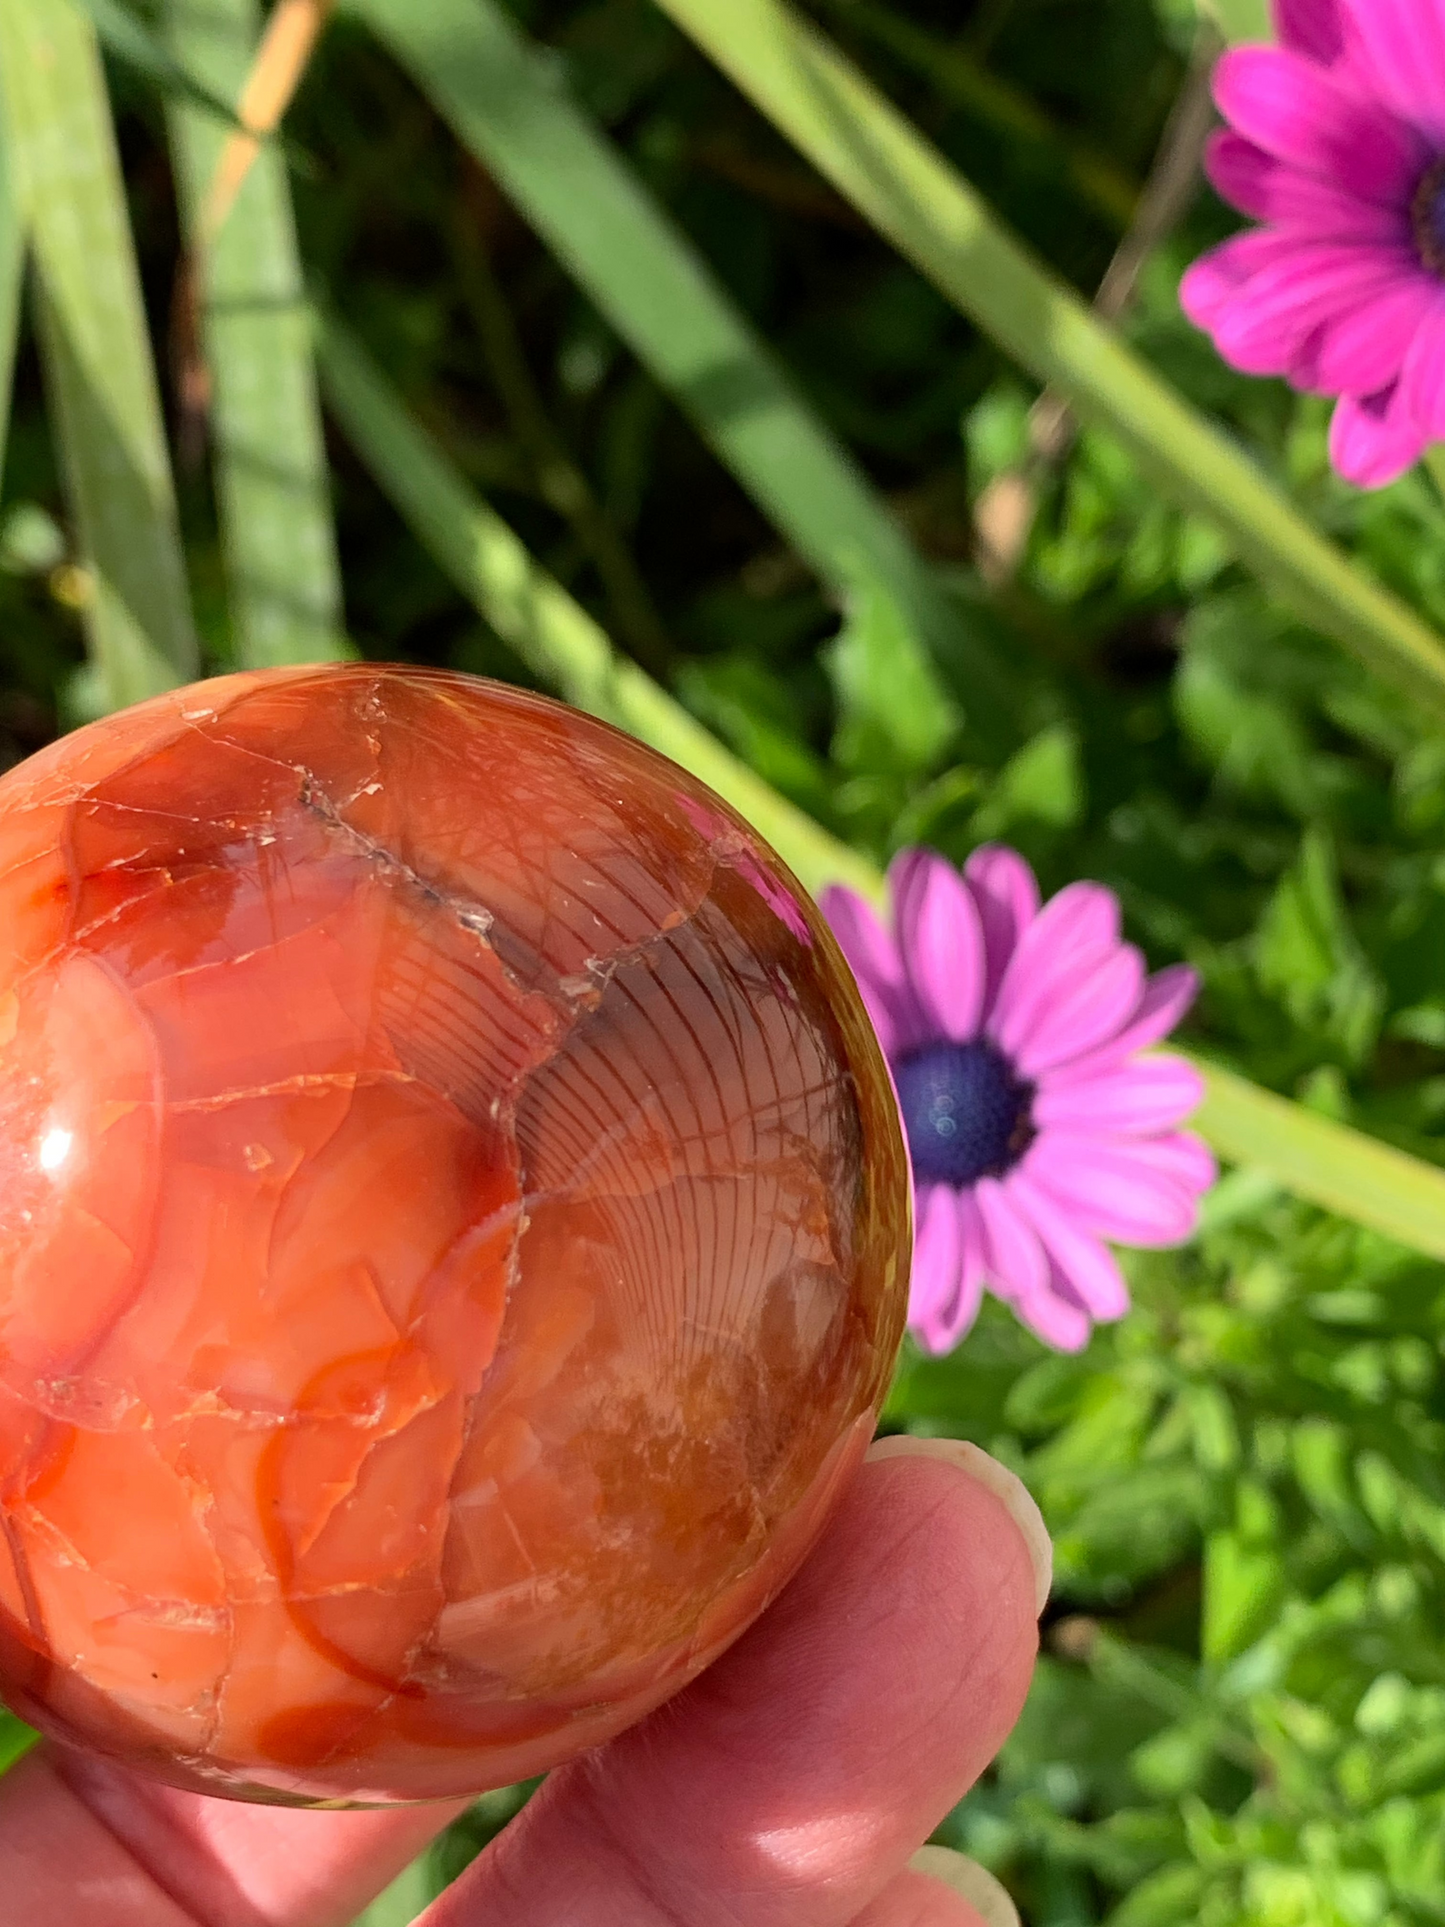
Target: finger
(791, 1782)
(91, 1846)
(941, 1889)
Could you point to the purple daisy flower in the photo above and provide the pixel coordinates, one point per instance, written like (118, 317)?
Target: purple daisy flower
(1036, 1130)
(1336, 142)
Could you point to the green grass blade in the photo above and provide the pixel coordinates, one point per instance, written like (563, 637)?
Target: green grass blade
(503, 99)
(271, 479)
(530, 610)
(1331, 1165)
(99, 370)
(12, 274)
(133, 44)
(873, 156)
(1241, 19)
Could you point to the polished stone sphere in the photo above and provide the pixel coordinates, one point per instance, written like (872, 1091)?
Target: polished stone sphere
(454, 1233)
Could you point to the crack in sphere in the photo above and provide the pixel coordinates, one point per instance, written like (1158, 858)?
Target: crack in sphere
(453, 1233)
(965, 1112)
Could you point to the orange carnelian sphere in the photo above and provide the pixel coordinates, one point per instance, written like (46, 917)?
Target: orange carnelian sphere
(453, 1233)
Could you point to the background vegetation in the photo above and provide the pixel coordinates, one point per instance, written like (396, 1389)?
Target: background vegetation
(981, 621)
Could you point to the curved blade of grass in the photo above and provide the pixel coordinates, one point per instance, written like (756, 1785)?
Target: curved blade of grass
(531, 611)
(12, 274)
(874, 157)
(97, 354)
(1329, 1164)
(279, 540)
(504, 100)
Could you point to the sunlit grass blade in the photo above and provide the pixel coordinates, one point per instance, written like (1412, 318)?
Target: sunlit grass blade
(12, 273)
(283, 581)
(873, 156)
(99, 370)
(533, 613)
(1331, 1165)
(1328, 1163)
(504, 100)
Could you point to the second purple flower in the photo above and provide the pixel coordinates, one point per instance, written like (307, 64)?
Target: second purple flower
(1035, 1129)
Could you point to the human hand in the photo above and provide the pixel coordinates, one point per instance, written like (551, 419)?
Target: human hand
(786, 1787)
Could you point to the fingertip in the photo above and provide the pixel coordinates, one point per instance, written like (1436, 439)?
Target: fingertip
(1006, 1486)
(988, 1897)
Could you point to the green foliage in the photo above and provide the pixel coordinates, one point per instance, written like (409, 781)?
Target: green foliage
(622, 377)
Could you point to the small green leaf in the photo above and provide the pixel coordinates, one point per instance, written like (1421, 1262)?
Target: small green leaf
(1243, 1585)
(891, 711)
(98, 365)
(1306, 954)
(1041, 783)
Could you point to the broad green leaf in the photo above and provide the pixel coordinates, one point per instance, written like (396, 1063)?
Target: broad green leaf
(507, 103)
(531, 611)
(1328, 1163)
(911, 194)
(99, 371)
(271, 478)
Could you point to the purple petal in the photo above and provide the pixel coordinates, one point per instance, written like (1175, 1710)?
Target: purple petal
(1185, 1156)
(1404, 44)
(1013, 1258)
(1115, 1189)
(1212, 283)
(1073, 932)
(1125, 1102)
(1007, 894)
(1311, 27)
(1083, 1014)
(937, 1249)
(947, 1323)
(1366, 350)
(1271, 190)
(1269, 328)
(1291, 108)
(941, 940)
(1062, 1324)
(1167, 996)
(1422, 378)
(1373, 442)
(1090, 1267)
(873, 958)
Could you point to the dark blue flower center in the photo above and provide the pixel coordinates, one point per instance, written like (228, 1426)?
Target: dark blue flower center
(966, 1113)
(1427, 211)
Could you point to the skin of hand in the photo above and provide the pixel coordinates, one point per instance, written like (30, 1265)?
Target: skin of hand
(788, 1786)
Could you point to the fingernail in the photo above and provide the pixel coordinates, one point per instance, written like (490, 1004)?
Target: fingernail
(967, 1878)
(1005, 1485)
